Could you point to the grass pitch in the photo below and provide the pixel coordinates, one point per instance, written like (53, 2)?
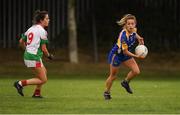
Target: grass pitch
(156, 92)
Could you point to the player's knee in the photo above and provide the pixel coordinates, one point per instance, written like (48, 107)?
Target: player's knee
(113, 74)
(44, 81)
(136, 72)
(112, 77)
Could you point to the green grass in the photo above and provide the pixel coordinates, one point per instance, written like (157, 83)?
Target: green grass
(78, 88)
(154, 92)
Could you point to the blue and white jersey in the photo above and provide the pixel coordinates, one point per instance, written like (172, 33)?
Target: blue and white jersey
(125, 41)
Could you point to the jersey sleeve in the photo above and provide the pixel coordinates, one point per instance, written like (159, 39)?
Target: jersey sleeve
(44, 41)
(123, 41)
(43, 36)
(24, 37)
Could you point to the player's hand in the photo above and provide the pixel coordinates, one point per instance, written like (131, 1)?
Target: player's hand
(139, 57)
(50, 56)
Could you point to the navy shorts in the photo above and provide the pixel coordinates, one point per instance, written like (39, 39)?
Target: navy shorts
(116, 59)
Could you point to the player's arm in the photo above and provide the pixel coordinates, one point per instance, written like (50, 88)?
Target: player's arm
(44, 42)
(140, 39)
(22, 43)
(124, 47)
(46, 52)
(126, 52)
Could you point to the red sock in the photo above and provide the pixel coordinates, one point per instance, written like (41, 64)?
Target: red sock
(37, 92)
(24, 82)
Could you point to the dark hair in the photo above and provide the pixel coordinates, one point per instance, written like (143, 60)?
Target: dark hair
(38, 16)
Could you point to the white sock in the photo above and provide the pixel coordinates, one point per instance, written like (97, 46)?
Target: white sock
(20, 83)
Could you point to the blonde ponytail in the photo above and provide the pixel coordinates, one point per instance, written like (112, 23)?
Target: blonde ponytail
(124, 19)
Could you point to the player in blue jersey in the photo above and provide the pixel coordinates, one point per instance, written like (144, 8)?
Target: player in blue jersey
(121, 53)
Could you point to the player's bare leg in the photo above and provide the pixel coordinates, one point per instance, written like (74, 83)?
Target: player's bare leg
(41, 74)
(131, 63)
(109, 81)
(41, 79)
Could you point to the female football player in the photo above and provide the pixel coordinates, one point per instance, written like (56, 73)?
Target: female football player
(34, 41)
(121, 53)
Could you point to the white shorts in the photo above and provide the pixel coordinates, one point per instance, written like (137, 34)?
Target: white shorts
(33, 63)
